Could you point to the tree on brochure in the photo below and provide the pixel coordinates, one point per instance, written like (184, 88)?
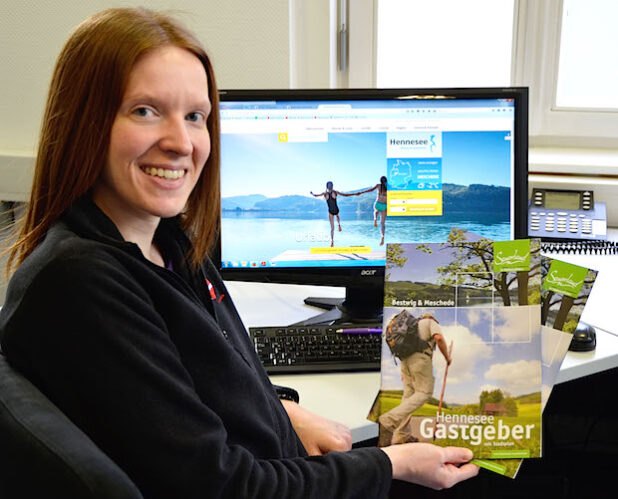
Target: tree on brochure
(479, 274)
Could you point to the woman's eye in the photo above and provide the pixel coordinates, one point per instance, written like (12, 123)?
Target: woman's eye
(196, 117)
(143, 112)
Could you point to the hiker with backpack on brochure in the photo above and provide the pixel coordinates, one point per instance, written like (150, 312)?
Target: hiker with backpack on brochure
(412, 340)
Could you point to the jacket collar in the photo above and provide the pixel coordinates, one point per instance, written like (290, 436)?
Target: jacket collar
(86, 219)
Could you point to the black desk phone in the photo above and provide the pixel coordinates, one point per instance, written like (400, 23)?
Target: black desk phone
(566, 214)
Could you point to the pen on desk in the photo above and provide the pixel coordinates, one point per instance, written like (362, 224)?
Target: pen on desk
(360, 330)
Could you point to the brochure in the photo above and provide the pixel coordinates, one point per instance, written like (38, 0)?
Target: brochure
(563, 297)
(565, 291)
(467, 371)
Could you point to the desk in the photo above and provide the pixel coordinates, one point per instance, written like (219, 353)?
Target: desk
(348, 397)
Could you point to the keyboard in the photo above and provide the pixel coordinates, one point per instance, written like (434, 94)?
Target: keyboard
(304, 349)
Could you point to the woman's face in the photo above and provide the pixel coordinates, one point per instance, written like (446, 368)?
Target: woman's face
(159, 140)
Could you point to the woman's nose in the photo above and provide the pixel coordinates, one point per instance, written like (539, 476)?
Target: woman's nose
(176, 137)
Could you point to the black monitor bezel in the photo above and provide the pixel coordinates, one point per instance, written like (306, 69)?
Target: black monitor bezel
(344, 276)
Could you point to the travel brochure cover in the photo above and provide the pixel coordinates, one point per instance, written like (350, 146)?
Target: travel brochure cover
(565, 289)
(474, 377)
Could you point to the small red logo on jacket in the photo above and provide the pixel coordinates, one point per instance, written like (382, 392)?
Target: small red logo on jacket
(213, 293)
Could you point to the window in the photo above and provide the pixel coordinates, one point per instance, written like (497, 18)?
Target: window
(579, 111)
(587, 71)
(542, 40)
(444, 43)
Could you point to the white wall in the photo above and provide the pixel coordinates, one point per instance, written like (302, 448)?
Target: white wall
(247, 40)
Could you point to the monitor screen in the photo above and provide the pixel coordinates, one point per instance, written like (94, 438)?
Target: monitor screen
(311, 181)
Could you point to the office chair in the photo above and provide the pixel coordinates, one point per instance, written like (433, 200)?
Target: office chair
(44, 455)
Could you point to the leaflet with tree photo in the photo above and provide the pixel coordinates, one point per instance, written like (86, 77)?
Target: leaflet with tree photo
(461, 356)
(565, 291)
(560, 314)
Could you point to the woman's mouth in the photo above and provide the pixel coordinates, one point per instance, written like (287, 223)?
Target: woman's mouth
(166, 173)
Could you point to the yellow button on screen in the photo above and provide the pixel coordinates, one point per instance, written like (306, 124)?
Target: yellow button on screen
(341, 249)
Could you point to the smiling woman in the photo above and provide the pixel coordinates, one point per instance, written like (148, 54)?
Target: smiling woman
(117, 314)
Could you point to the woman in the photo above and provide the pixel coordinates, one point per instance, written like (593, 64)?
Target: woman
(379, 207)
(330, 196)
(119, 317)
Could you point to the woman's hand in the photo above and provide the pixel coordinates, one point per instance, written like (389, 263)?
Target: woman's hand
(319, 435)
(430, 465)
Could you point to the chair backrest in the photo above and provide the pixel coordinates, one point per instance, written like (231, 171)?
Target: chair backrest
(43, 454)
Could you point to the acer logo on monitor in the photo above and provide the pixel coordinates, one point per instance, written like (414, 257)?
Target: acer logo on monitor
(368, 272)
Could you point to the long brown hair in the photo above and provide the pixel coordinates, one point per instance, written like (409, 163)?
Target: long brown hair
(86, 91)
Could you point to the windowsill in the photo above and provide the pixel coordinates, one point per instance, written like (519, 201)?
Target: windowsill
(577, 161)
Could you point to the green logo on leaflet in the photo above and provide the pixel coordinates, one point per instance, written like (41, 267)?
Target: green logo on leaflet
(565, 278)
(512, 256)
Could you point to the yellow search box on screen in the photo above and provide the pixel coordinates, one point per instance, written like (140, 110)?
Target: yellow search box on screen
(341, 249)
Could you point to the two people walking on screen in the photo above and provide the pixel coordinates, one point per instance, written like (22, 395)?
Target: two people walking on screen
(330, 195)
(418, 383)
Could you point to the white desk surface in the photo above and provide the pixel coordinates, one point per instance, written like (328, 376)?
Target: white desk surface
(348, 397)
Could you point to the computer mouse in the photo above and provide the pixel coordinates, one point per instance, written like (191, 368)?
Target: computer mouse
(584, 338)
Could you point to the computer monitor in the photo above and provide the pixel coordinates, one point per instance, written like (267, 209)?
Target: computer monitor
(451, 158)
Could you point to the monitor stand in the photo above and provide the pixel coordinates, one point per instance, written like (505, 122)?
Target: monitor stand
(361, 305)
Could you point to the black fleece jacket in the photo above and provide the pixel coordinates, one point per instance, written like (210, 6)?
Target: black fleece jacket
(158, 373)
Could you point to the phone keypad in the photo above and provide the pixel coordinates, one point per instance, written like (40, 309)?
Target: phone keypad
(559, 223)
(589, 221)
